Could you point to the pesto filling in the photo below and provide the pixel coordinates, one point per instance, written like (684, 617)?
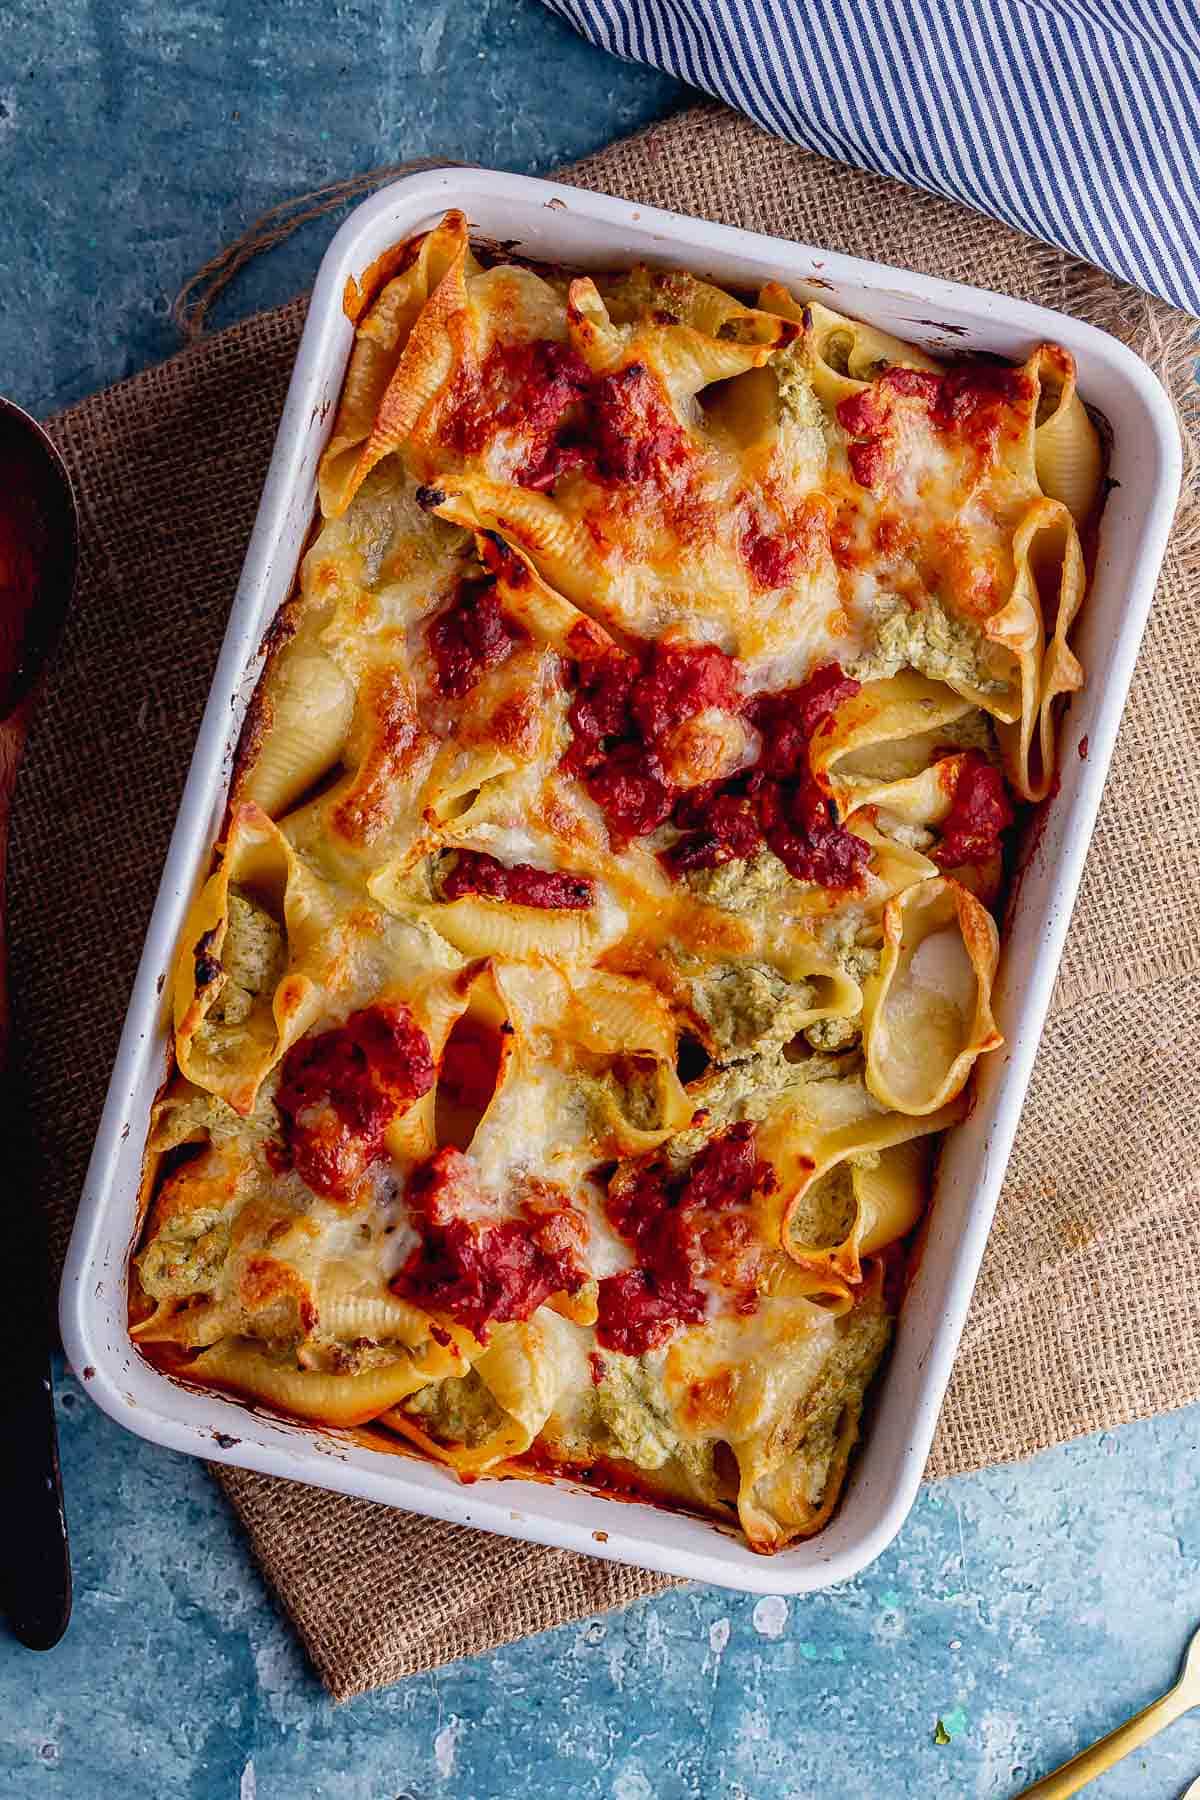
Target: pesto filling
(798, 402)
(746, 1006)
(457, 1410)
(186, 1257)
(629, 1092)
(833, 1034)
(823, 1216)
(633, 1424)
(839, 1389)
(253, 957)
(749, 1090)
(188, 1117)
(742, 886)
(252, 962)
(933, 641)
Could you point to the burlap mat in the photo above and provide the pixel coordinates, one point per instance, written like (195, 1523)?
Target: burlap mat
(1086, 1312)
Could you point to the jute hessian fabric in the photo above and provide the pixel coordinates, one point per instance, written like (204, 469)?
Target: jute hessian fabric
(1086, 1313)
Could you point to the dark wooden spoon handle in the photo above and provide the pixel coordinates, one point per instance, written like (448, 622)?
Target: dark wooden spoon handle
(35, 1562)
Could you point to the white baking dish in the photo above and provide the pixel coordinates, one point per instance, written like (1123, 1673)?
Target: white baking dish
(543, 220)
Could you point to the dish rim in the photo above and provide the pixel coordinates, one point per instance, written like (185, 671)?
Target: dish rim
(560, 1513)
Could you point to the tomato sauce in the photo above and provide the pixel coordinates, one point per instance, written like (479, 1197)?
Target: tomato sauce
(798, 825)
(681, 681)
(341, 1089)
(777, 803)
(480, 1272)
(468, 637)
(921, 384)
(638, 1310)
(631, 791)
(624, 708)
(635, 436)
(625, 433)
(862, 414)
(521, 884)
(770, 558)
(601, 713)
(967, 401)
(967, 396)
(789, 718)
(682, 1227)
(868, 462)
(866, 420)
(772, 549)
(557, 379)
(722, 826)
(619, 427)
(979, 814)
(529, 387)
(470, 1065)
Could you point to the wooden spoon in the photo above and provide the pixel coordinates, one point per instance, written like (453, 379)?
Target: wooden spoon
(1131, 1736)
(39, 537)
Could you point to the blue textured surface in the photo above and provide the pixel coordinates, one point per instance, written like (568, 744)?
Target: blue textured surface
(139, 136)
(1028, 1609)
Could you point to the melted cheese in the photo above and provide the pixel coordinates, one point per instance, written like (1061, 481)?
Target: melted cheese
(526, 471)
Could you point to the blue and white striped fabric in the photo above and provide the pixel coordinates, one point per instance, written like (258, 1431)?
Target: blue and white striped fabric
(1075, 120)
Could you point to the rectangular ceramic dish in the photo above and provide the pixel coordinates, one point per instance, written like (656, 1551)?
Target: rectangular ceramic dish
(542, 220)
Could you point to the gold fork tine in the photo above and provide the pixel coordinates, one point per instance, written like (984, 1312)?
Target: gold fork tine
(1136, 1731)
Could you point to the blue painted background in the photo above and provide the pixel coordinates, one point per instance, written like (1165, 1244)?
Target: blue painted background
(137, 138)
(1028, 1608)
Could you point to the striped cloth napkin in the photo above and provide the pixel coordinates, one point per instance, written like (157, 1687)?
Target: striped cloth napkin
(1077, 121)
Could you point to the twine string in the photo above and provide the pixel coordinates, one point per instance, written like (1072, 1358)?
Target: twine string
(195, 299)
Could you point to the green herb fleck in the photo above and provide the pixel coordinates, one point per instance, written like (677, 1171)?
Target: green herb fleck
(951, 1726)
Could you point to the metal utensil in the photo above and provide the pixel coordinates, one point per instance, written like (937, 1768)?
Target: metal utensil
(39, 536)
(1131, 1736)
